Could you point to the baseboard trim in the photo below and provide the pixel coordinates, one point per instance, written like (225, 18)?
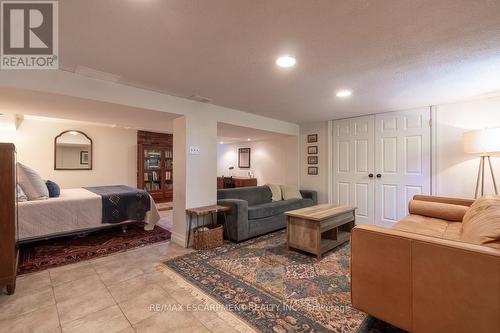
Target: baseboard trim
(178, 239)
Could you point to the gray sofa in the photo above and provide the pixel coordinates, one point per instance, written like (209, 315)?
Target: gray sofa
(253, 213)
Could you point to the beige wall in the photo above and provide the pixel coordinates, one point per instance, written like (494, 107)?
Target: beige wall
(457, 171)
(319, 182)
(272, 161)
(114, 149)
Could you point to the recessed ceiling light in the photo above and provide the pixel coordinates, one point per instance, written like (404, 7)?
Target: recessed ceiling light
(344, 93)
(286, 61)
(222, 142)
(248, 139)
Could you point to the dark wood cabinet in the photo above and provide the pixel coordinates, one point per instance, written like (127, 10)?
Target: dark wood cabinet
(155, 164)
(8, 217)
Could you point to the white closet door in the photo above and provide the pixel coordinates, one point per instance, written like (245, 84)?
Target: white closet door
(402, 162)
(353, 162)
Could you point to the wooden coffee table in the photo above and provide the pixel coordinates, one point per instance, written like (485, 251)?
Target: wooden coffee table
(318, 229)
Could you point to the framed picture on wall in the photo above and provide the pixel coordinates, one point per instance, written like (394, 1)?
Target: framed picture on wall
(312, 150)
(84, 157)
(312, 171)
(312, 159)
(311, 138)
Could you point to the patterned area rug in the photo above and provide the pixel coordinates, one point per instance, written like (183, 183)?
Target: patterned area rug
(276, 290)
(40, 255)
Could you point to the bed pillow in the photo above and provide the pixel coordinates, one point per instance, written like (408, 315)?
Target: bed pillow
(21, 196)
(276, 192)
(32, 184)
(54, 189)
(290, 192)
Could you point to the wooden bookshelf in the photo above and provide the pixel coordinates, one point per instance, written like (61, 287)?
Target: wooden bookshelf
(155, 164)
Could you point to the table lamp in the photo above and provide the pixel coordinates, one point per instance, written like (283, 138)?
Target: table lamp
(483, 142)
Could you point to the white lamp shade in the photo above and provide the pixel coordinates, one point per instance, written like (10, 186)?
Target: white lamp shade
(482, 141)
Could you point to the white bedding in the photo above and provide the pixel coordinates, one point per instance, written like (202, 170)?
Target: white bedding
(74, 210)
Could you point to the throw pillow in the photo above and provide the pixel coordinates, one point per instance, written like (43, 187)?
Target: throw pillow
(481, 223)
(21, 196)
(290, 192)
(54, 189)
(32, 184)
(276, 192)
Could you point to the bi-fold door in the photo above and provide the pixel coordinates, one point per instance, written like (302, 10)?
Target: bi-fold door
(380, 162)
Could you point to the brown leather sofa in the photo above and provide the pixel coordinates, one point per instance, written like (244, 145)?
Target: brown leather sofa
(437, 270)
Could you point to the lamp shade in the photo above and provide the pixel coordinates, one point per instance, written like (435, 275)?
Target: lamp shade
(482, 141)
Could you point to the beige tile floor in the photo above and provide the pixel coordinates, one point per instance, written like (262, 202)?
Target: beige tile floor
(109, 294)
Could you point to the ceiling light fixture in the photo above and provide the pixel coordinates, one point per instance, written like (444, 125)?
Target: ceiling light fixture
(344, 93)
(248, 139)
(222, 142)
(286, 61)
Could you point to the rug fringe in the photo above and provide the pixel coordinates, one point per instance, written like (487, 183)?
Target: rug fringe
(233, 320)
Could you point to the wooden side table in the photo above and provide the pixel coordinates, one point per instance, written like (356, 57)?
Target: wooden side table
(203, 212)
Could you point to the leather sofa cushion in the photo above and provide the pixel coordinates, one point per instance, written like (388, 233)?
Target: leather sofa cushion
(429, 226)
(481, 223)
(422, 225)
(453, 231)
(437, 210)
(277, 207)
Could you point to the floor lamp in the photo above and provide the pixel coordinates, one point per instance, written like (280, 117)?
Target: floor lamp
(483, 142)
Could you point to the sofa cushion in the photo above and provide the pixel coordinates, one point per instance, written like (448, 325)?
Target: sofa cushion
(254, 195)
(277, 207)
(276, 192)
(481, 223)
(438, 210)
(453, 231)
(290, 192)
(422, 225)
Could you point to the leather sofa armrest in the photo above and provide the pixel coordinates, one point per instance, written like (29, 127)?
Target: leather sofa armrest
(447, 200)
(308, 194)
(237, 218)
(425, 284)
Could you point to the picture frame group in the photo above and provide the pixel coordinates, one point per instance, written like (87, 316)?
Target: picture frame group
(312, 155)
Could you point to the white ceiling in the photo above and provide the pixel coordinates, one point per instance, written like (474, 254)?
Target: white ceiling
(394, 54)
(228, 133)
(31, 103)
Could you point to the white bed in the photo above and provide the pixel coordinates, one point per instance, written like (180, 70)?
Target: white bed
(75, 210)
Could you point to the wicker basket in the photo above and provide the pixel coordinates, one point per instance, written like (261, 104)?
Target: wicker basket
(206, 239)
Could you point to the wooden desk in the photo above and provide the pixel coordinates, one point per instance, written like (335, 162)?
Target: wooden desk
(318, 229)
(238, 182)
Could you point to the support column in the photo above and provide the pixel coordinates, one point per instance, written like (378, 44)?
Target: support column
(195, 175)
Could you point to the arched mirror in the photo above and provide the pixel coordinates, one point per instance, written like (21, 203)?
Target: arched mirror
(73, 151)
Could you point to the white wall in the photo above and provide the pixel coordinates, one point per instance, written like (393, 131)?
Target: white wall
(114, 153)
(457, 171)
(271, 161)
(318, 182)
(454, 171)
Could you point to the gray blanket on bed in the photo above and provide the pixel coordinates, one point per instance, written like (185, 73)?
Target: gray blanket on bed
(122, 203)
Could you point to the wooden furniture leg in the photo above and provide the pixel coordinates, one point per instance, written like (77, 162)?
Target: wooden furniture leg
(189, 229)
(11, 288)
